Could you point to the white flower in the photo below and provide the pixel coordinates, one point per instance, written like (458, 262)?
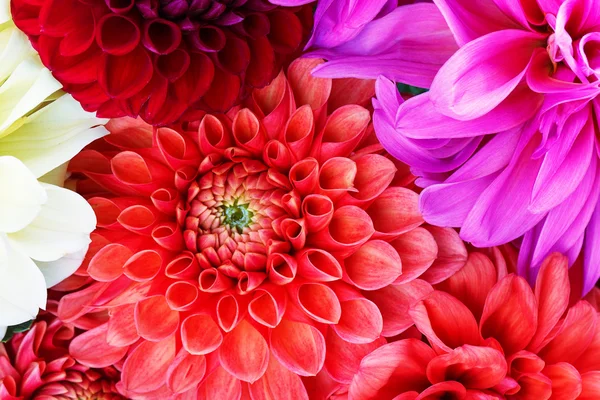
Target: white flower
(44, 229)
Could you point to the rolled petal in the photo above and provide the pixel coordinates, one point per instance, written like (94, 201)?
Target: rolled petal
(319, 302)
(317, 211)
(268, 306)
(343, 130)
(566, 380)
(318, 265)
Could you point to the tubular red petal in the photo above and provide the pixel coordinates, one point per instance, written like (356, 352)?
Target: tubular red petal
(181, 296)
(106, 211)
(343, 130)
(276, 155)
(244, 353)
(173, 66)
(318, 265)
(122, 76)
(268, 306)
(276, 103)
(209, 39)
(281, 268)
(169, 236)
(299, 347)
(248, 132)
(294, 231)
(178, 150)
(566, 380)
(299, 132)
(336, 177)
(139, 219)
(317, 211)
(306, 88)
(143, 266)
(228, 312)
(200, 334)
(248, 281)
(183, 266)
(304, 176)
(350, 227)
(373, 266)
(319, 302)
(161, 36)
(154, 319)
(165, 200)
(117, 34)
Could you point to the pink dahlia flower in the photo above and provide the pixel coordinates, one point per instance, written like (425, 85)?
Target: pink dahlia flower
(489, 336)
(37, 365)
(234, 253)
(506, 139)
(404, 40)
(162, 59)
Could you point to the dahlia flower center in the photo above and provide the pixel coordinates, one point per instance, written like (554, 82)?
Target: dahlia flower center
(230, 213)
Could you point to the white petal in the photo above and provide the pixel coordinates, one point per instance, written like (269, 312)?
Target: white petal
(22, 287)
(4, 11)
(21, 195)
(2, 331)
(53, 135)
(57, 271)
(63, 226)
(14, 47)
(25, 89)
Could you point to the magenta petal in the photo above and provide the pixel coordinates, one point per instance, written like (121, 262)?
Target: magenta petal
(469, 20)
(500, 214)
(482, 73)
(591, 270)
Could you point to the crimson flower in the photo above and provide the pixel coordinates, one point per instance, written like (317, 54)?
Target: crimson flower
(37, 365)
(135, 57)
(489, 336)
(234, 254)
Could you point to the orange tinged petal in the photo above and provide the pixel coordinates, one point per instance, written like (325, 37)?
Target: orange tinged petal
(146, 367)
(244, 353)
(299, 347)
(154, 319)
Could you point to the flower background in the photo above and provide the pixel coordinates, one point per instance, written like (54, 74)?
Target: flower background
(332, 199)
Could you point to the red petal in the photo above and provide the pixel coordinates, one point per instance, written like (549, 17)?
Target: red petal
(278, 383)
(361, 321)
(146, 367)
(475, 367)
(445, 321)
(91, 348)
(121, 326)
(510, 314)
(299, 347)
(200, 334)
(375, 265)
(306, 88)
(394, 301)
(452, 255)
(319, 302)
(566, 381)
(154, 319)
(392, 369)
(122, 76)
(444, 390)
(220, 385)
(244, 353)
(394, 212)
(185, 372)
(299, 132)
(107, 264)
(552, 295)
(418, 250)
(591, 386)
(343, 131)
(573, 336)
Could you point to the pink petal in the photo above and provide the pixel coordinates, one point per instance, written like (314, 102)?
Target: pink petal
(299, 347)
(373, 266)
(244, 353)
(278, 383)
(481, 74)
(91, 348)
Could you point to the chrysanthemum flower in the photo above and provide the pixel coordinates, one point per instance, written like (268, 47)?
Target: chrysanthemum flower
(44, 229)
(37, 365)
(506, 139)
(489, 336)
(161, 59)
(234, 254)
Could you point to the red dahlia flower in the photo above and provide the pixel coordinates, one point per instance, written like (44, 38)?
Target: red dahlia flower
(37, 365)
(489, 336)
(235, 254)
(161, 59)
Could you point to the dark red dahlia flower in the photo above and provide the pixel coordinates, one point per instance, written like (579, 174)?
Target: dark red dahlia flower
(37, 365)
(161, 59)
(236, 254)
(489, 336)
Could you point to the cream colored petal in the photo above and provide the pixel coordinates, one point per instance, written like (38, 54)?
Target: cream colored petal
(14, 48)
(25, 89)
(63, 226)
(5, 11)
(21, 195)
(53, 135)
(22, 287)
(2, 331)
(56, 271)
